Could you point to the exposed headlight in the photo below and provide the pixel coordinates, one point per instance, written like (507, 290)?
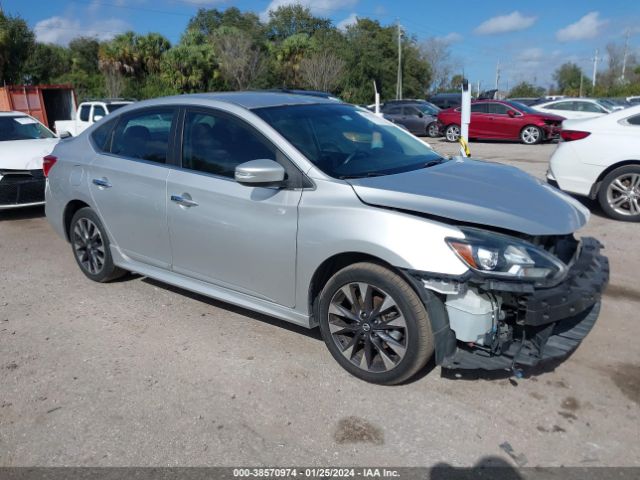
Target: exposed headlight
(508, 257)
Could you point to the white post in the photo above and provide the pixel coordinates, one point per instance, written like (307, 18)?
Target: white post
(595, 69)
(465, 114)
(377, 99)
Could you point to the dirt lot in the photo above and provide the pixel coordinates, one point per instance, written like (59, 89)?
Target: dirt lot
(139, 373)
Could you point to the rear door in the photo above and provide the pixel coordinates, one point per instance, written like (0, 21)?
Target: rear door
(239, 237)
(414, 119)
(479, 120)
(128, 183)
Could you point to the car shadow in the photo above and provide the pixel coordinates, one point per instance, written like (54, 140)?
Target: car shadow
(311, 333)
(24, 213)
(488, 468)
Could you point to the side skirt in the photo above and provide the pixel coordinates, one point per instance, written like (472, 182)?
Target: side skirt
(210, 290)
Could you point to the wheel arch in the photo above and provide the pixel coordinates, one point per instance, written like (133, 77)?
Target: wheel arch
(444, 337)
(596, 185)
(70, 210)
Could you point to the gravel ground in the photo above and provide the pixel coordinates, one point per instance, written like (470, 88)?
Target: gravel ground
(139, 373)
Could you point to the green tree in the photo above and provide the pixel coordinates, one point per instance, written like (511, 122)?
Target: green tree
(208, 21)
(84, 54)
(289, 20)
(191, 66)
(567, 77)
(17, 41)
(526, 89)
(45, 63)
(287, 57)
(371, 54)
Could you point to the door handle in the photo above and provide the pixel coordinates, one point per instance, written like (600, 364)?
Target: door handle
(185, 202)
(102, 182)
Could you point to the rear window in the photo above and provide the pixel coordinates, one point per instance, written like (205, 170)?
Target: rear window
(21, 127)
(144, 135)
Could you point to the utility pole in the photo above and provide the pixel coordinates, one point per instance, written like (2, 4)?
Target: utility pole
(595, 69)
(626, 53)
(581, 82)
(478, 89)
(399, 80)
(497, 74)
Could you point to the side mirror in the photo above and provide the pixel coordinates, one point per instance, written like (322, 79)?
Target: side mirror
(260, 173)
(64, 134)
(420, 114)
(97, 118)
(511, 113)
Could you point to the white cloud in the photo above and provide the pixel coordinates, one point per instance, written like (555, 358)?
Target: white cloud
(350, 20)
(321, 8)
(453, 37)
(531, 55)
(587, 27)
(505, 23)
(61, 30)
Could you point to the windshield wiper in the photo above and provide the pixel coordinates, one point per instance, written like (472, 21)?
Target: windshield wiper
(364, 175)
(432, 163)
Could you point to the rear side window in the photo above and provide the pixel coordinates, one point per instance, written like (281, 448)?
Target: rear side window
(562, 106)
(479, 108)
(84, 112)
(144, 135)
(497, 108)
(101, 136)
(217, 143)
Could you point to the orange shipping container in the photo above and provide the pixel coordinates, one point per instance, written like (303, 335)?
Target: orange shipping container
(47, 103)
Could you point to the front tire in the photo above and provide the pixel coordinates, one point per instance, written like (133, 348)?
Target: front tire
(452, 133)
(531, 135)
(90, 245)
(619, 194)
(374, 324)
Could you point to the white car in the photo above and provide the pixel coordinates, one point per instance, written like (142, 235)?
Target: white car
(574, 108)
(599, 158)
(88, 113)
(24, 141)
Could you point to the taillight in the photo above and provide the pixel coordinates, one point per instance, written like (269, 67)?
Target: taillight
(47, 163)
(571, 135)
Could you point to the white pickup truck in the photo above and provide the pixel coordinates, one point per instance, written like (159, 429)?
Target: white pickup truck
(88, 113)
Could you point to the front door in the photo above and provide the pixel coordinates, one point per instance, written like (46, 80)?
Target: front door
(235, 236)
(128, 183)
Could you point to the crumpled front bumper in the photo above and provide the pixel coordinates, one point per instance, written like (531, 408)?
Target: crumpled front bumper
(552, 321)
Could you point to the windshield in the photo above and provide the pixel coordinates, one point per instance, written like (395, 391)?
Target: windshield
(349, 142)
(22, 128)
(427, 108)
(522, 107)
(112, 107)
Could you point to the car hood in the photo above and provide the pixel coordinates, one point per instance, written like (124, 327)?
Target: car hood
(479, 192)
(25, 154)
(548, 116)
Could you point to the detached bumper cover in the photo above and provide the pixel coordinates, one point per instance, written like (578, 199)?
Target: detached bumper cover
(553, 321)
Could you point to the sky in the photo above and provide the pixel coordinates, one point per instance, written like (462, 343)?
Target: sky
(528, 39)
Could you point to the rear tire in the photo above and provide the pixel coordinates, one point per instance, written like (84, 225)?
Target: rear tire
(619, 194)
(452, 133)
(432, 130)
(90, 245)
(374, 324)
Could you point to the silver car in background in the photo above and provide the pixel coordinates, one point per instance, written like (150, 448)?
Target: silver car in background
(324, 214)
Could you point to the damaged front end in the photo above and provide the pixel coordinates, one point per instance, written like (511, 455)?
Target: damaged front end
(515, 315)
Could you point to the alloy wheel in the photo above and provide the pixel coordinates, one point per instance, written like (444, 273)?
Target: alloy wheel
(432, 130)
(88, 245)
(453, 133)
(531, 135)
(623, 194)
(368, 327)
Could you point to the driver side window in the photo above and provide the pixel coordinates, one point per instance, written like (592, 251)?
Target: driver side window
(217, 143)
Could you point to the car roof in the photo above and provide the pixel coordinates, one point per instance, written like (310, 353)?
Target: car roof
(251, 100)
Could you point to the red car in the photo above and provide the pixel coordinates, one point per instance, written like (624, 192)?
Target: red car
(501, 120)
